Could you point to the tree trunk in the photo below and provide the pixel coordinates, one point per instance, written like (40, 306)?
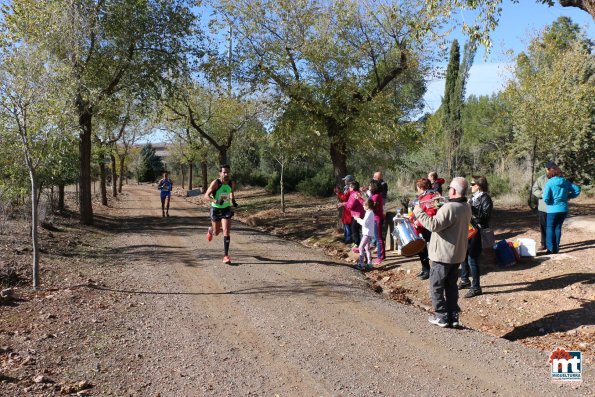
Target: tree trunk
(114, 176)
(53, 208)
(122, 158)
(223, 155)
(533, 155)
(102, 186)
(205, 181)
(85, 201)
(190, 175)
(34, 222)
(281, 187)
(338, 151)
(183, 176)
(61, 197)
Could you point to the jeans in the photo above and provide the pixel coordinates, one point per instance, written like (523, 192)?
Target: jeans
(472, 262)
(443, 289)
(347, 232)
(553, 231)
(379, 238)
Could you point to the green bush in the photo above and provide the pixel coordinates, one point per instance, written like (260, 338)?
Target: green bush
(499, 185)
(291, 178)
(320, 185)
(251, 178)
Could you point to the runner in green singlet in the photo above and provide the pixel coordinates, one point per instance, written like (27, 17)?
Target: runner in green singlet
(221, 196)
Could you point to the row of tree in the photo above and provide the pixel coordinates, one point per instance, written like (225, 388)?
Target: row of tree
(315, 85)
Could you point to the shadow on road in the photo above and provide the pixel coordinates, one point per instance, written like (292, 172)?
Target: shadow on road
(555, 322)
(314, 288)
(551, 283)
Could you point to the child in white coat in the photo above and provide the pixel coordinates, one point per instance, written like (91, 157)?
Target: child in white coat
(367, 235)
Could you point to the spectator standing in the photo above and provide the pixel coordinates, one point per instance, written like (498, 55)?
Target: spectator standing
(376, 197)
(537, 190)
(556, 193)
(356, 207)
(383, 185)
(481, 209)
(424, 193)
(435, 181)
(448, 248)
(367, 224)
(343, 197)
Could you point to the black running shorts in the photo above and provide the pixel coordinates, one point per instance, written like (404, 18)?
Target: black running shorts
(221, 213)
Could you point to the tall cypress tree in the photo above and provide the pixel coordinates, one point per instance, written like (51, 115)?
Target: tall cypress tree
(454, 98)
(452, 73)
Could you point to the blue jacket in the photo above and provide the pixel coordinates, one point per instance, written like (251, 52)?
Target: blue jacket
(556, 193)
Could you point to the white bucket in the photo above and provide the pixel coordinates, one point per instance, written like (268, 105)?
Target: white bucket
(527, 247)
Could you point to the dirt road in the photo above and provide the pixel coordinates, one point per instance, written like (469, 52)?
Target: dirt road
(286, 320)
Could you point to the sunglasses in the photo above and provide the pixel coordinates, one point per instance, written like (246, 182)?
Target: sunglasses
(473, 183)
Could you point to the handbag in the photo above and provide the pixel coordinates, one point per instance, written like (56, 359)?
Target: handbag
(487, 238)
(471, 232)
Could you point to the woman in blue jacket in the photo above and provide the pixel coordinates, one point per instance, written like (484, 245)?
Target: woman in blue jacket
(556, 193)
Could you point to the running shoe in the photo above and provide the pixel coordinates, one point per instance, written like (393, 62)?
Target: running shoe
(439, 321)
(377, 261)
(227, 260)
(355, 250)
(209, 234)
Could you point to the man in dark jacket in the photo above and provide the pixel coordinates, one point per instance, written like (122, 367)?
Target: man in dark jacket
(436, 182)
(383, 185)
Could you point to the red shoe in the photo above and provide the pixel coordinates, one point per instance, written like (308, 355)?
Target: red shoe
(227, 260)
(209, 234)
(377, 261)
(355, 250)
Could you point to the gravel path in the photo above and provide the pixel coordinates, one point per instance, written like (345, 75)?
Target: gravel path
(286, 320)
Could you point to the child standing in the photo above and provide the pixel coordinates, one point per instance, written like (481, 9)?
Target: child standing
(367, 234)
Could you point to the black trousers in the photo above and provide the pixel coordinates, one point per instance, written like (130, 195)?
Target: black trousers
(542, 226)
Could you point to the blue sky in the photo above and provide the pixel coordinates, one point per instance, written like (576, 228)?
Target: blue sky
(518, 24)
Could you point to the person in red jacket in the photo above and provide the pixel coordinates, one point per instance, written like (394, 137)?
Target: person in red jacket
(435, 181)
(346, 219)
(355, 205)
(425, 193)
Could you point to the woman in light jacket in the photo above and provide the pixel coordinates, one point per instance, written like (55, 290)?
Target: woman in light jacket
(556, 193)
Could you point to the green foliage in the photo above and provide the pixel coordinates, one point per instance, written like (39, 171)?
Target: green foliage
(353, 68)
(319, 185)
(555, 129)
(251, 177)
(291, 179)
(151, 164)
(499, 184)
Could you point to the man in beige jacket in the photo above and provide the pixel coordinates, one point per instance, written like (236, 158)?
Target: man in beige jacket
(447, 249)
